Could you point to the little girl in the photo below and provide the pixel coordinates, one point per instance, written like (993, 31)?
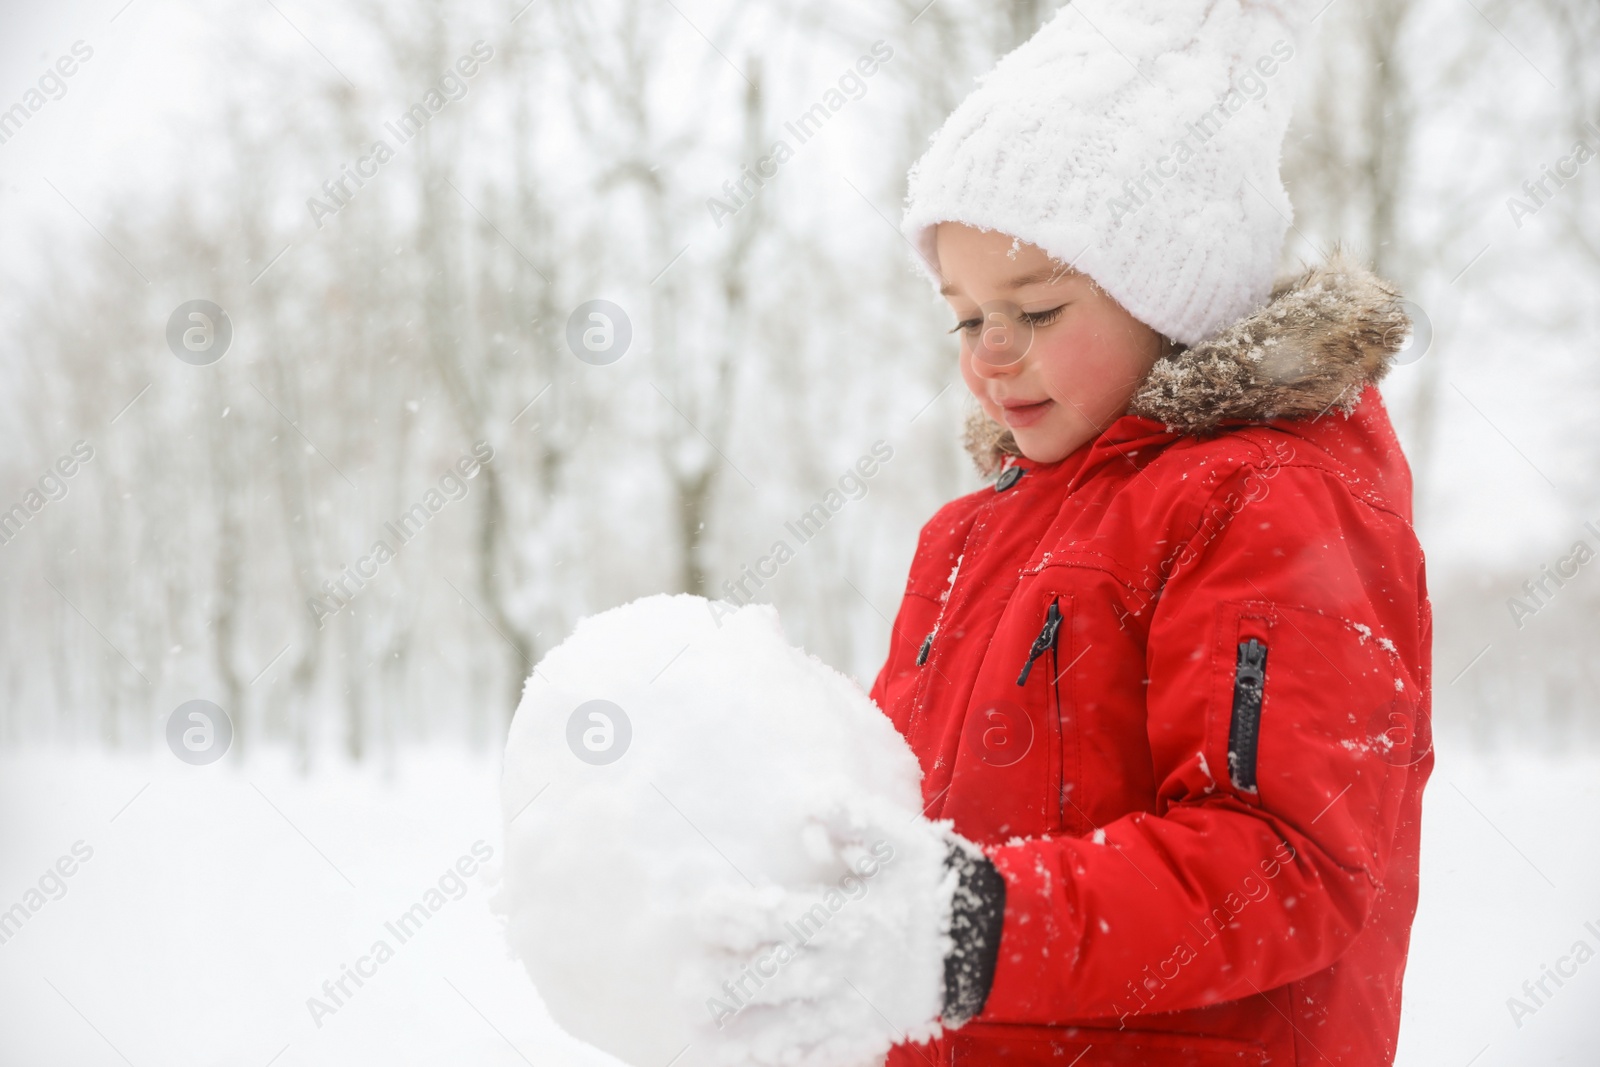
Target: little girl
(1171, 670)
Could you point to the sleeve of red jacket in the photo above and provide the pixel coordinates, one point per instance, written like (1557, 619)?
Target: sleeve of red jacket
(1225, 890)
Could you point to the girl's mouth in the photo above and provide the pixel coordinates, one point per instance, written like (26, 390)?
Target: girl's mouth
(1019, 415)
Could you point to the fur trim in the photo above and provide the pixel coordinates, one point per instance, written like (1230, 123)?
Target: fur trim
(1318, 342)
(988, 443)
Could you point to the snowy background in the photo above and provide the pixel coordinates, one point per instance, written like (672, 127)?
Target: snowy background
(768, 354)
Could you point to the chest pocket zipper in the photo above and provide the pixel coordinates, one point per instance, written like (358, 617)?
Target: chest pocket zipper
(1048, 641)
(1244, 735)
(1045, 642)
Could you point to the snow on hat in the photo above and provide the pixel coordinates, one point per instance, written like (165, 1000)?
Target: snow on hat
(1137, 141)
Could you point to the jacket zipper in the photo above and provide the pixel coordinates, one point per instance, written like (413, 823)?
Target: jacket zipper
(1249, 687)
(1044, 642)
(1058, 729)
(927, 646)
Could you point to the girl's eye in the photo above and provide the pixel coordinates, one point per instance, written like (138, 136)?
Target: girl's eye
(1043, 318)
(1030, 318)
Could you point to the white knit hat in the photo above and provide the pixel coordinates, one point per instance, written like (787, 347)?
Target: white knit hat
(1137, 141)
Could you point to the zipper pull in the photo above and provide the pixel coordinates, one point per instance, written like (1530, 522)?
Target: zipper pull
(1244, 733)
(1251, 672)
(1044, 642)
(927, 646)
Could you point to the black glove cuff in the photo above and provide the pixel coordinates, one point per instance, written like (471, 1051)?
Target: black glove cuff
(977, 915)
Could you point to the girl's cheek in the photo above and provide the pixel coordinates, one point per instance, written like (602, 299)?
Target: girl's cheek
(1091, 365)
(1071, 362)
(973, 381)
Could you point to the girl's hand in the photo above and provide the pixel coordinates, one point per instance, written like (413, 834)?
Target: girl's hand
(894, 925)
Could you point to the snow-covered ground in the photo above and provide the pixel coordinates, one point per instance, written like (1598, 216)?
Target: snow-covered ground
(215, 902)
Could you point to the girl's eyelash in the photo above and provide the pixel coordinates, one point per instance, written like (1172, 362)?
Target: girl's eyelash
(1032, 318)
(1043, 318)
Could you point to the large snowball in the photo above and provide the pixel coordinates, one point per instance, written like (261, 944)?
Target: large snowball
(734, 869)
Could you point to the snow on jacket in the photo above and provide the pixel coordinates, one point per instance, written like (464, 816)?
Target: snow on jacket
(1177, 685)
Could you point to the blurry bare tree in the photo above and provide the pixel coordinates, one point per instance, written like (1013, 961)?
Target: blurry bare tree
(210, 548)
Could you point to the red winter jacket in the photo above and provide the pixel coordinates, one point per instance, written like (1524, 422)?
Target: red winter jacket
(1177, 685)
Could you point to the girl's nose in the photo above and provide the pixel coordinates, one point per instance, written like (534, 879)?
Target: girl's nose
(986, 370)
(1003, 339)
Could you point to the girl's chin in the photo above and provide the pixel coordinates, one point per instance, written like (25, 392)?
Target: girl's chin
(1048, 444)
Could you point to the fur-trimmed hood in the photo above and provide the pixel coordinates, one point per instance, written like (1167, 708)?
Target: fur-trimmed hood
(1316, 344)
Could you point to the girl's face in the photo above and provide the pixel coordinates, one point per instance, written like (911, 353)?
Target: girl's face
(1043, 348)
